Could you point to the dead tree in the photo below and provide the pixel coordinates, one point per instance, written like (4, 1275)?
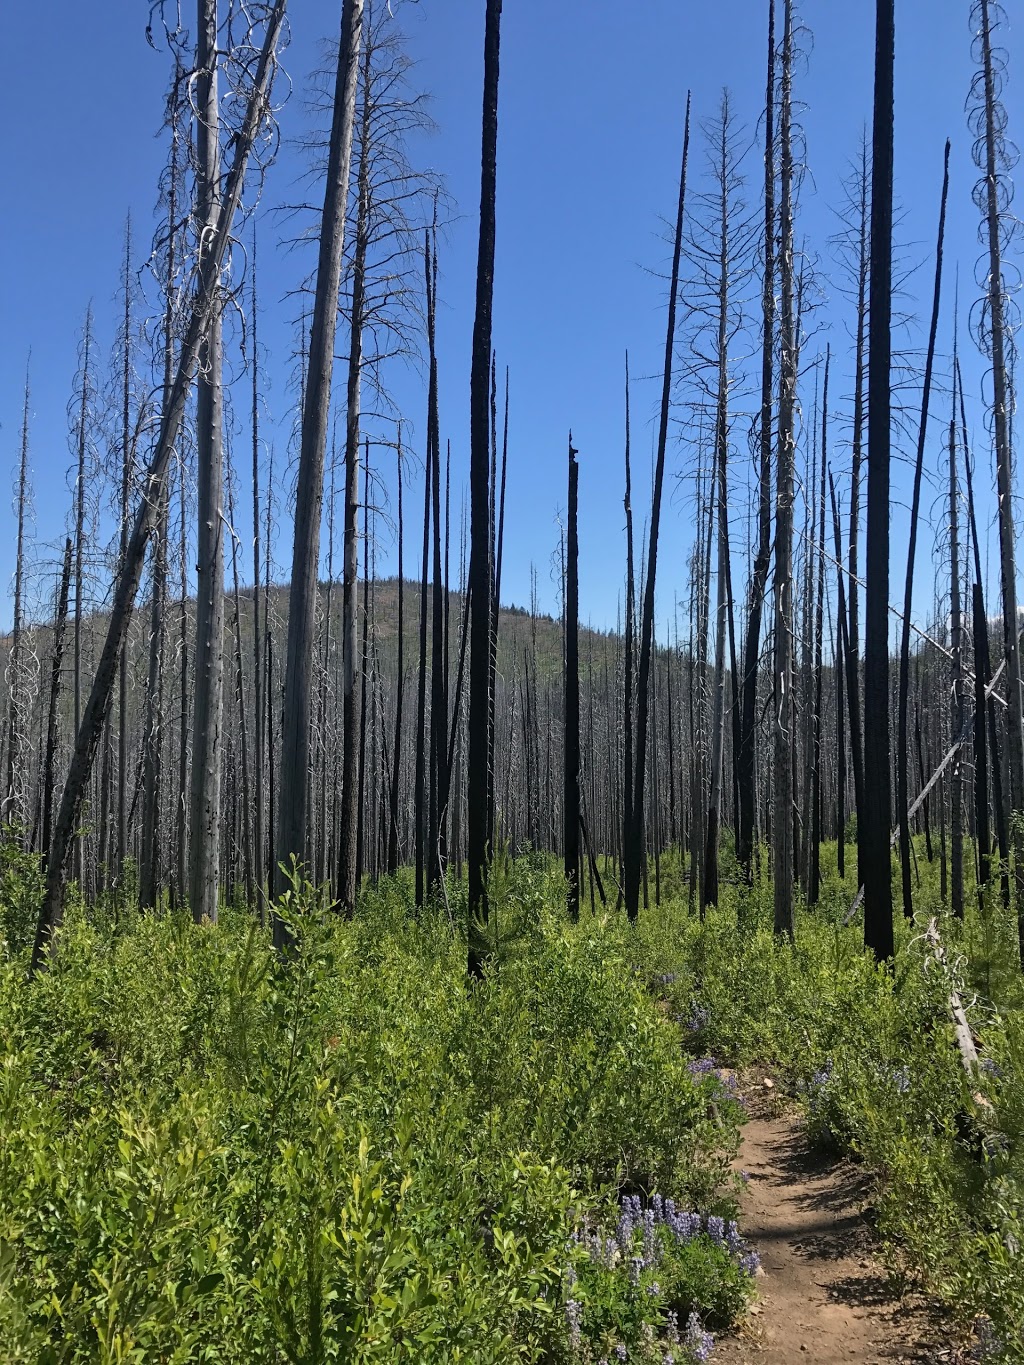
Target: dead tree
(293, 822)
(876, 873)
(634, 850)
(481, 576)
(571, 835)
(203, 304)
(902, 750)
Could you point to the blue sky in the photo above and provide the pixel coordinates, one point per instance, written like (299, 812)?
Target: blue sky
(592, 100)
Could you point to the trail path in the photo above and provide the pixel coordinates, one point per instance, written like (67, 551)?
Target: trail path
(823, 1297)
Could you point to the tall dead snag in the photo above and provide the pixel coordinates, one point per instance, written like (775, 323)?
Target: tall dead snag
(956, 817)
(746, 756)
(902, 750)
(438, 664)
(814, 861)
(396, 756)
(259, 747)
(127, 586)
(204, 796)
(784, 729)
(993, 195)
(351, 792)
(14, 785)
(152, 740)
(876, 874)
(634, 850)
(629, 644)
(716, 247)
(480, 582)
(293, 807)
(60, 622)
(572, 693)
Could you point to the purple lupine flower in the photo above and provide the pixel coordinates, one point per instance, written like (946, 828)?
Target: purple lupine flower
(702, 1066)
(750, 1263)
(672, 1328)
(636, 1269)
(621, 1353)
(698, 1342)
(700, 1017)
(991, 1068)
(574, 1317)
(654, 1289)
(716, 1229)
(732, 1237)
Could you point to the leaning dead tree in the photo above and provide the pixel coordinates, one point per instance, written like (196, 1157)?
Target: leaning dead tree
(203, 304)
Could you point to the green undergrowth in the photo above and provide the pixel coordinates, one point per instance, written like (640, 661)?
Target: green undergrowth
(207, 1155)
(870, 1053)
(211, 1156)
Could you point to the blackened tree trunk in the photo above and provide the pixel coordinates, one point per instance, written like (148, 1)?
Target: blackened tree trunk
(876, 873)
(902, 751)
(746, 758)
(396, 756)
(571, 835)
(634, 851)
(480, 579)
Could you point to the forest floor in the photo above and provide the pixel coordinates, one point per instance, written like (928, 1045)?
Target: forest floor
(824, 1296)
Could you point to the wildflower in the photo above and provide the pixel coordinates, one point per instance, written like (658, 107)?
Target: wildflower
(750, 1263)
(698, 1342)
(991, 1068)
(716, 1230)
(672, 1328)
(699, 1018)
(574, 1317)
(702, 1066)
(636, 1269)
(654, 1289)
(621, 1352)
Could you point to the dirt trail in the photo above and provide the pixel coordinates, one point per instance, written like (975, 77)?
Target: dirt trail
(823, 1296)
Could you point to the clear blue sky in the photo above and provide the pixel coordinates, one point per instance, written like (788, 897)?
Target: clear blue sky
(592, 99)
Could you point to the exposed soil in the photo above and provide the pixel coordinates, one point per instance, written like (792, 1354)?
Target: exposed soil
(823, 1296)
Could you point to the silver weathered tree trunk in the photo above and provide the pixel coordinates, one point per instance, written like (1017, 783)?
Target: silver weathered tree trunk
(204, 794)
(784, 733)
(14, 787)
(126, 588)
(351, 792)
(292, 830)
(995, 338)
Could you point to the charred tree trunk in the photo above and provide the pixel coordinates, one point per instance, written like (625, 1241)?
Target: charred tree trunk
(876, 873)
(480, 579)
